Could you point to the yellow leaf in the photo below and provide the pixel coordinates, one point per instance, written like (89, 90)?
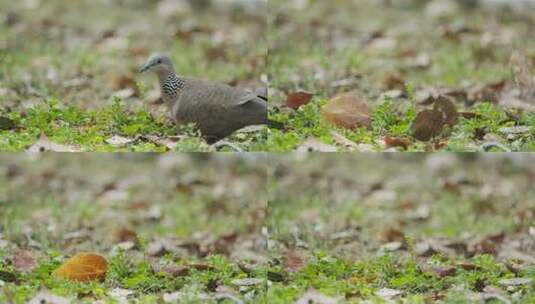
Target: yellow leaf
(83, 267)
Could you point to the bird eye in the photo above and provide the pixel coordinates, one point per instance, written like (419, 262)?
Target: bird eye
(159, 61)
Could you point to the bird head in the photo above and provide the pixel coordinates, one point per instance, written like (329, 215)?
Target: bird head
(157, 63)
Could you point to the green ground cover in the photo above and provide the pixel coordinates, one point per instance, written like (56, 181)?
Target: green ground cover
(394, 56)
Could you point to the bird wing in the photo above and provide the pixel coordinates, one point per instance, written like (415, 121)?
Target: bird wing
(219, 109)
(224, 95)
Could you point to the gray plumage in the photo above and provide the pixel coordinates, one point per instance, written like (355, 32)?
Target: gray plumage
(217, 109)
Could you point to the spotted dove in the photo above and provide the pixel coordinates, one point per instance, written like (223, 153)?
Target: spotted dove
(217, 109)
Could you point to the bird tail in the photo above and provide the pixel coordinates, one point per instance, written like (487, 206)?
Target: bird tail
(262, 94)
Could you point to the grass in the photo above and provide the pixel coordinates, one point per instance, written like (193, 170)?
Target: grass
(91, 130)
(355, 281)
(138, 277)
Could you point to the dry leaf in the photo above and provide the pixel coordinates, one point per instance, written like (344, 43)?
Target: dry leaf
(44, 144)
(125, 93)
(521, 67)
(119, 141)
(490, 92)
(315, 297)
(515, 282)
(392, 235)
(121, 82)
(347, 111)
(293, 261)
(427, 124)
(180, 271)
(156, 248)
(24, 261)
(468, 266)
(44, 296)
(312, 144)
(389, 293)
(394, 82)
(342, 140)
(125, 235)
(391, 141)
(469, 115)
(83, 267)
(450, 116)
(515, 130)
(445, 271)
(298, 99)
(168, 142)
(120, 294)
(247, 282)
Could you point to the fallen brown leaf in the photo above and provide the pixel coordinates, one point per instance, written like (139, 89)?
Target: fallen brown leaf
(445, 271)
(312, 144)
(391, 141)
(183, 270)
(450, 115)
(44, 144)
(298, 99)
(125, 234)
(293, 261)
(394, 82)
(389, 294)
(521, 67)
(469, 115)
(119, 141)
(347, 111)
(44, 296)
(24, 261)
(312, 296)
(427, 124)
(342, 140)
(83, 267)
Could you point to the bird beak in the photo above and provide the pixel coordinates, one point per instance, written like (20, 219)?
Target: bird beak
(144, 68)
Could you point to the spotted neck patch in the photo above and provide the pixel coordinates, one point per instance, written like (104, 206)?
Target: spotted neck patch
(172, 85)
